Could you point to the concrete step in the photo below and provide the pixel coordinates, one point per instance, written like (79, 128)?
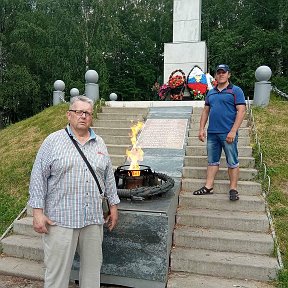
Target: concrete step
(200, 173)
(243, 132)
(112, 131)
(116, 140)
(125, 110)
(188, 280)
(23, 246)
(118, 149)
(222, 202)
(24, 226)
(113, 123)
(194, 141)
(21, 268)
(195, 122)
(224, 264)
(226, 220)
(223, 240)
(197, 110)
(118, 160)
(201, 161)
(243, 151)
(222, 186)
(120, 116)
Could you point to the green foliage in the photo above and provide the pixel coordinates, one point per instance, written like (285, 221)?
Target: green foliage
(247, 36)
(49, 40)
(18, 147)
(282, 278)
(20, 93)
(123, 40)
(281, 82)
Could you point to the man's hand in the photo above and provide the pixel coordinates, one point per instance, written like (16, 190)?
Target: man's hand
(112, 219)
(40, 221)
(202, 135)
(230, 137)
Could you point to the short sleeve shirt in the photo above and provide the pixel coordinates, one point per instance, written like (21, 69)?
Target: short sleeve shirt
(222, 106)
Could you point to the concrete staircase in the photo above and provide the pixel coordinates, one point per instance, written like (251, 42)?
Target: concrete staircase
(114, 126)
(219, 243)
(22, 252)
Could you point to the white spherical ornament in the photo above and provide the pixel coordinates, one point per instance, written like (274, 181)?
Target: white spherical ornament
(74, 92)
(59, 85)
(91, 76)
(263, 73)
(113, 96)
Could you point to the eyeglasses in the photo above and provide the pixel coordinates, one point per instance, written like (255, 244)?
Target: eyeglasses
(81, 112)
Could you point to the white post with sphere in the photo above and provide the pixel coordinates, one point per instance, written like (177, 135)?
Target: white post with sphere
(91, 86)
(262, 88)
(74, 92)
(58, 94)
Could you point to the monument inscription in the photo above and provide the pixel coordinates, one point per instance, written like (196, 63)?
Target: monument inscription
(163, 133)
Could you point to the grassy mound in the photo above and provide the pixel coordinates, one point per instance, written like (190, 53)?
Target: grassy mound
(18, 147)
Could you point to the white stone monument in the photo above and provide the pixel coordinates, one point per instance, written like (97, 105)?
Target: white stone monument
(187, 48)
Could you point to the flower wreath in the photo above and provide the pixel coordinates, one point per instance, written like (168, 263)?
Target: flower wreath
(174, 89)
(177, 84)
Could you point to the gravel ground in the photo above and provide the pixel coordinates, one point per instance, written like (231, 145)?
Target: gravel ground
(9, 282)
(13, 282)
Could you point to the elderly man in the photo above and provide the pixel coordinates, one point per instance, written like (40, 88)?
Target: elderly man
(225, 106)
(66, 201)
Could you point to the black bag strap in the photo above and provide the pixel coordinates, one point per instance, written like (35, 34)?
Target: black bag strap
(85, 160)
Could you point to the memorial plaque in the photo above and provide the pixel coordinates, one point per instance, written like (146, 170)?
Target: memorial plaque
(163, 133)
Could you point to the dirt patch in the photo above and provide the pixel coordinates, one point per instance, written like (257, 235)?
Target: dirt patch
(18, 282)
(284, 187)
(13, 282)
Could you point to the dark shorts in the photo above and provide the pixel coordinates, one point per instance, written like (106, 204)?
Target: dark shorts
(215, 143)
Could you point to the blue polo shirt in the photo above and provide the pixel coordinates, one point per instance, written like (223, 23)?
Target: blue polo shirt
(223, 110)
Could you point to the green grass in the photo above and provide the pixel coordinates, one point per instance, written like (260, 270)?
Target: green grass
(18, 146)
(272, 130)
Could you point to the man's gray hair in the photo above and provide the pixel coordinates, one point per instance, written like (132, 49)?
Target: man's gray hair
(81, 98)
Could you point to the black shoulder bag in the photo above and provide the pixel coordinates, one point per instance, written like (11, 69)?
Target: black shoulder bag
(105, 203)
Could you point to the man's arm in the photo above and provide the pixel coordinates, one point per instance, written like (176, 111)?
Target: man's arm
(241, 111)
(112, 219)
(111, 193)
(38, 188)
(203, 121)
(40, 221)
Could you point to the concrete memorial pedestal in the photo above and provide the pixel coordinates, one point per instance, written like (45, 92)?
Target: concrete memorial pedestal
(187, 48)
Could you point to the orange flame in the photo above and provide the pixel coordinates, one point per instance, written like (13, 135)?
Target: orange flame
(136, 153)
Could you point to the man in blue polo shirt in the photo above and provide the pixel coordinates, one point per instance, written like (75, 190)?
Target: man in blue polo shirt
(225, 107)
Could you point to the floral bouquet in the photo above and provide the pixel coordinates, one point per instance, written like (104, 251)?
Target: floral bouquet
(164, 91)
(197, 95)
(177, 84)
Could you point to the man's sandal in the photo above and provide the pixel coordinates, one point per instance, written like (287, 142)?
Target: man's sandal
(233, 195)
(203, 191)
